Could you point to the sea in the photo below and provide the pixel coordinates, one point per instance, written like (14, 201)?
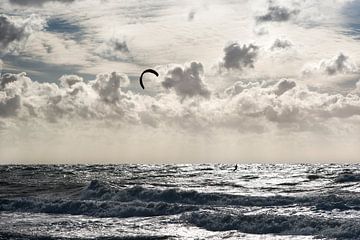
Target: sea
(188, 201)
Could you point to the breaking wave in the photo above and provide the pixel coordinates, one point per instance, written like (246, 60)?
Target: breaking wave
(99, 191)
(93, 208)
(275, 224)
(99, 200)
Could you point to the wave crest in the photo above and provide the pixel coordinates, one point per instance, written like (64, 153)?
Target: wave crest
(275, 224)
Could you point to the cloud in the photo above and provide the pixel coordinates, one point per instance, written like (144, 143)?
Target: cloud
(277, 14)
(281, 44)
(15, 31)
(72, 98)
(239, 57)
(284, 108)
(309, 12)
(9, 106)
(10, 100)
(294, 107)
(187, 81)
(121, 46)
(240, 86)
(261, 101)
(114, 49)
(108, 86)
(7, 78)
(246, 106)
(260, 31)
(340, 64)
(68, 81)
(284, 85)
(191, 15)
(37, 2)
(357, 87)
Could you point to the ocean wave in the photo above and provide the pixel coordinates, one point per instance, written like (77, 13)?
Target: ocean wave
(100, 200)
(93, 208)
(18, 236)
(97, 190)
(275, 224)
(312, 177)
(348, 177)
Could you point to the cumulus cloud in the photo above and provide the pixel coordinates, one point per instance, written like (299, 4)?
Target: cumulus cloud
(187, 81)
(73, 97)
(36, 2)
(239, 56)
(10, 97)
(340, 64)
(15, 31)
(246, 106)
(108, 86)
(281, 44)
(288, 105)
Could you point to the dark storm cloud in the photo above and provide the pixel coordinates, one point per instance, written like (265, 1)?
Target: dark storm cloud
(238, 57)
(277, 14)
(187, 81)
(36, 2)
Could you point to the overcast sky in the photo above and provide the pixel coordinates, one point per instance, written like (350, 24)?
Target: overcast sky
(240, 81)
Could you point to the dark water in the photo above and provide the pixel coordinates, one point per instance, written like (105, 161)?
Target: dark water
(180, 202)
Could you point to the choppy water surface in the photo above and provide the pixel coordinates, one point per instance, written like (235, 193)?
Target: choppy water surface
(257, 201)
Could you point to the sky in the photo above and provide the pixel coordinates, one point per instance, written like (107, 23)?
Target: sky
(240, 81)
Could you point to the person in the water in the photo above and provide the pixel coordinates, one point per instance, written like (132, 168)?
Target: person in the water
(235, 168)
